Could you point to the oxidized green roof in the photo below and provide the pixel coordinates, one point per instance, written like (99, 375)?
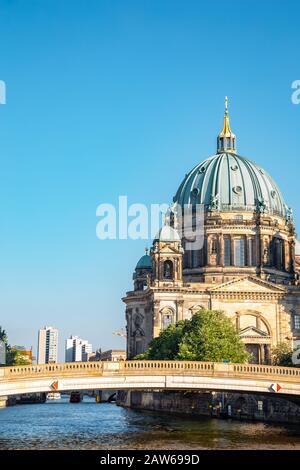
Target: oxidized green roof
(145, 262)
(229, 182)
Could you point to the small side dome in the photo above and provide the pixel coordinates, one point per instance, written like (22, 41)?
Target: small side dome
(168, 234)
(145, 262)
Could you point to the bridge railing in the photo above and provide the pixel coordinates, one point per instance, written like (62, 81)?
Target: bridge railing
(122, 368)
(137, 366)
(265, 369)
(72, 368)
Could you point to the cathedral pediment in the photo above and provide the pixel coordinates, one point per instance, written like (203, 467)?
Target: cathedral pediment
(249, 284)
(252, 331)
(166, 249)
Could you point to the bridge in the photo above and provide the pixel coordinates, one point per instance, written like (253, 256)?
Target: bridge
(150, 375)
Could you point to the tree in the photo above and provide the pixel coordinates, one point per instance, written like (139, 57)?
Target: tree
(3, 336)
(14, 357)
(282, 355)
(166, 345)
(208, 336)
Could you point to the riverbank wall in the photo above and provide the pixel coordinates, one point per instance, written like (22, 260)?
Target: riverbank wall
(214, 404)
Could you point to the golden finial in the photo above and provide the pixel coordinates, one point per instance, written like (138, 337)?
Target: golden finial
(226, 133)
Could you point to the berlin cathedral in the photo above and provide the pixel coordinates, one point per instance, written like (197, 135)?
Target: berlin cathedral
(248, 265)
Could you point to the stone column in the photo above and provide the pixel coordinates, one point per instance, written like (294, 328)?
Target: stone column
(237, 323)
(286, 256)
(267, 354)
(292, 255)
(262, 247)
(156, 318)
(208, 248)
(180, 304)
(221, 250)
(262, 354)
(3, 401)
(258, 251)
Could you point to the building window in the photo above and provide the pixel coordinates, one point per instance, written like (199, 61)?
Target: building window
(226, 251)
(168, 270)
(195, 258)
(239, 252)
(167, 320)
(251, 254)
(260, 405)
(238, 217)
(278, 253)
(297, 322)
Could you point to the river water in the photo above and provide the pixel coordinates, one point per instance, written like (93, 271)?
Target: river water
(87, 425)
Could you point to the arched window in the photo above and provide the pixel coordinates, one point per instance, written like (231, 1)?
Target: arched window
(168, 270)
(167, 317)
(167, 320)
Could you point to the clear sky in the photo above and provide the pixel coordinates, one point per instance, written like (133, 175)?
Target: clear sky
(116, 97)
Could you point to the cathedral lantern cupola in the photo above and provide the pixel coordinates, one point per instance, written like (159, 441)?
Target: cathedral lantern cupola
(226, 138)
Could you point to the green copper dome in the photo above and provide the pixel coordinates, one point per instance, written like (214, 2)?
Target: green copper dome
(229, 182)
(145, 262)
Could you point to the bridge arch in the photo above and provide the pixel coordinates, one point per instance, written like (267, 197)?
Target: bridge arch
(150, 375)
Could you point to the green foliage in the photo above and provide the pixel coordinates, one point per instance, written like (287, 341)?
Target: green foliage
(3, 335)
(208, 336)
(282, 355)
(14, 357)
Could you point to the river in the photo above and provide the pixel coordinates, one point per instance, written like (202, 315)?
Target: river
(87, 425)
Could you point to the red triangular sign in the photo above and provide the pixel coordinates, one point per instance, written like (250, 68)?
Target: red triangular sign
(278, 387)
(54, 385)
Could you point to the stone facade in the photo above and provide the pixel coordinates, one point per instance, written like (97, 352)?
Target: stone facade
(248, 265)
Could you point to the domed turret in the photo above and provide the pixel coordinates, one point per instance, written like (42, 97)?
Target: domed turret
(144, 262)
(142, 272)
(168, 234)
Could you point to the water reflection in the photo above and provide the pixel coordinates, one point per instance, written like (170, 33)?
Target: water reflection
(87, 425)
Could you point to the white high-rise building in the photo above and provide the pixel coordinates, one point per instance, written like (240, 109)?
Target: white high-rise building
(77, 349)
(47, 345)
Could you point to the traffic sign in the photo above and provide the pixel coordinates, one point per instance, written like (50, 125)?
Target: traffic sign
(276, 387)
(54, 385)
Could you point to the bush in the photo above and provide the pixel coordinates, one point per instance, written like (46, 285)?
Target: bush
(208, 336)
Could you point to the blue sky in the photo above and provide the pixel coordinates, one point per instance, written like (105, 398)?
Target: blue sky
(109, 98)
